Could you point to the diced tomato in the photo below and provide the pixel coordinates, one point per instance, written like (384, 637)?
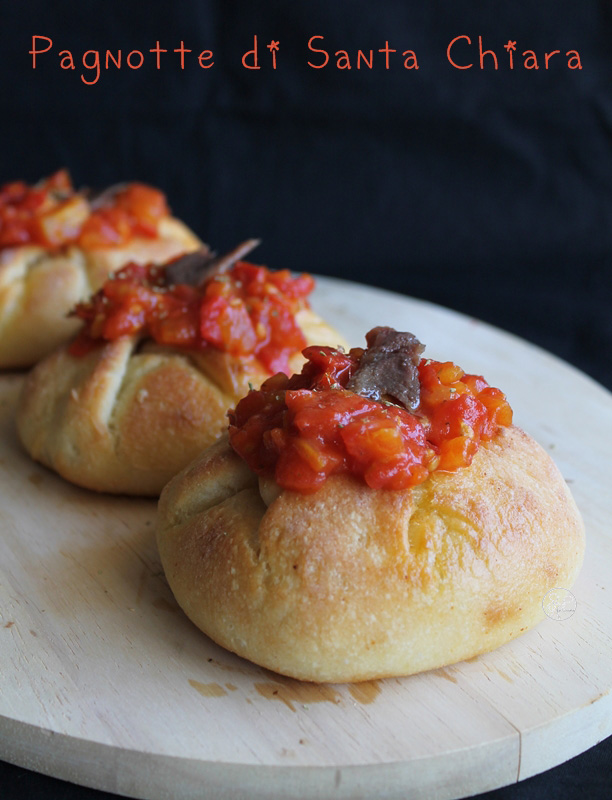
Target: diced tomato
(60, 182)
(305, 428)
(52, 214)
(227, 325)
(178, 329)
(457, 452)
(241, 312)
(61, 224)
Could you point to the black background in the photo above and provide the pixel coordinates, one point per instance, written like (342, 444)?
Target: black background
(488, 191)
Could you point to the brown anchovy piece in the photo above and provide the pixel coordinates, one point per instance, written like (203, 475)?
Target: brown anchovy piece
(197, 267)
(389, 368)
(188, 268)
(100, 198)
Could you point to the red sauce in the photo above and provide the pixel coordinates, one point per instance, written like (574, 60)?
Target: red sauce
(247, 311)
(52, 214)
(305, 428)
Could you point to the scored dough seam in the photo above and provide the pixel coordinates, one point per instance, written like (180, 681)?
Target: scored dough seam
(23, 270)
(89, 265)
(200, 366)
(115, 384)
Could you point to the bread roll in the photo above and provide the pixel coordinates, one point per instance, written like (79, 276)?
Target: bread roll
(351, 583)
(39, 287)
(129, 415)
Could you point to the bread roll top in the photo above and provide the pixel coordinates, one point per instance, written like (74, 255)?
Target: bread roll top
(38, 288)
(126, 417)
(351, 583)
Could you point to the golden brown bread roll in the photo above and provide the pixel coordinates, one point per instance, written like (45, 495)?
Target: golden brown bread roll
(129, 415)
(42, 279)
(376, 515)
(352, 583)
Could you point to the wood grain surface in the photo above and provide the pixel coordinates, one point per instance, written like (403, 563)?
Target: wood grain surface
(104, 682)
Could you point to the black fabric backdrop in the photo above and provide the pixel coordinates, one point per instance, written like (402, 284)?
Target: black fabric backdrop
(488, 191)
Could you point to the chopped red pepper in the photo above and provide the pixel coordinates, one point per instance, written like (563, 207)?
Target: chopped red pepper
(305, 428)
(248, 310)
(53, 214)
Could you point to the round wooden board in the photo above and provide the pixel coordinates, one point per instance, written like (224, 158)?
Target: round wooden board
(105, 683)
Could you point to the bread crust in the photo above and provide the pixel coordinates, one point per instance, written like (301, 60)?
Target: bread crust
(352, 583)
(129, 415)
(39, 288)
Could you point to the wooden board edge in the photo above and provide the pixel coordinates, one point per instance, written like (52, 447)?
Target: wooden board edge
(556, 742)
(151, 776)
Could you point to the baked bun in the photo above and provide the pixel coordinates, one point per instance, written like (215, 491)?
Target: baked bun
(130, 414)
(39, 285)
(351, 583)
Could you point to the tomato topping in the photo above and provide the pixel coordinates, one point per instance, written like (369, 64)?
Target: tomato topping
(305, 428)
(248, 310)
(52, 214)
